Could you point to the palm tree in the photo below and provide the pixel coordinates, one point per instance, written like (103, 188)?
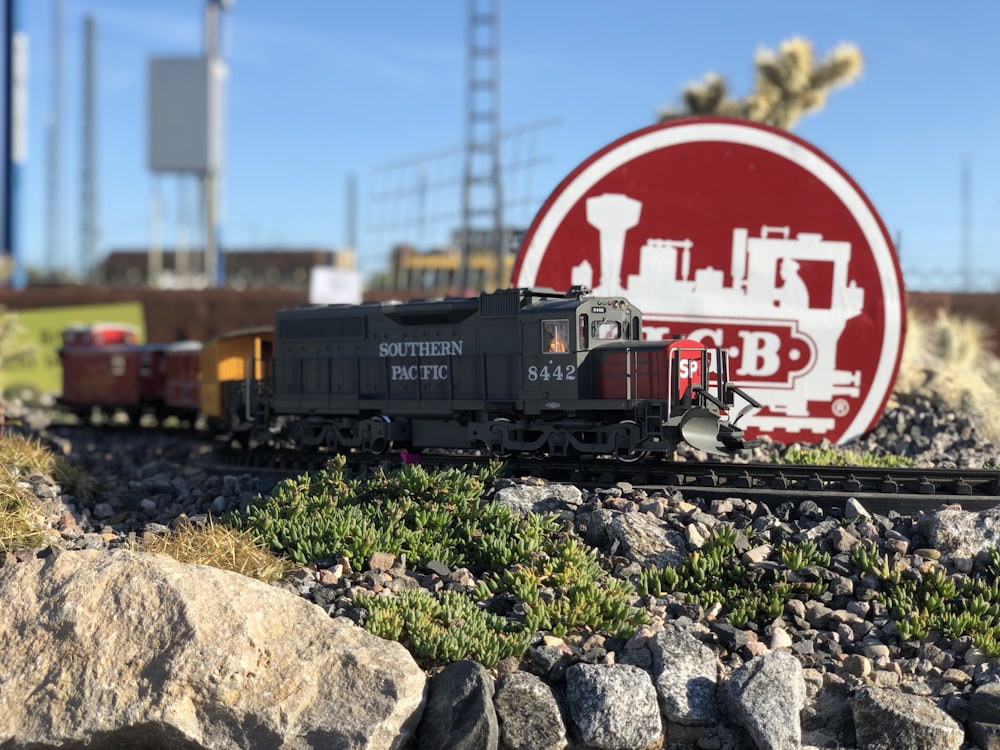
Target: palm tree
(789, 84)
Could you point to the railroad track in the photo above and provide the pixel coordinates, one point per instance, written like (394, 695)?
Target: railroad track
(906, 490)
(881, 490)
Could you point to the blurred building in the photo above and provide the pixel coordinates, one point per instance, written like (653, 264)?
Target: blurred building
(254, 268)
(438, 272)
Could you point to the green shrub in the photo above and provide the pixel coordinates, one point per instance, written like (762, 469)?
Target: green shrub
(717, 575)
(525, 561)
(936, 602)
(426, 515)
(831, 456)
(565, 589)
(444, 629)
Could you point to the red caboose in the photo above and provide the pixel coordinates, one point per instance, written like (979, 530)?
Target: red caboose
(107, 370)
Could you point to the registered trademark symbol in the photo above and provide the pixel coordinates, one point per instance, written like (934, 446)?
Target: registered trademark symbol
(840, 407)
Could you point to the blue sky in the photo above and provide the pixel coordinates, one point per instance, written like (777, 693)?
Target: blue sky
(320, 90)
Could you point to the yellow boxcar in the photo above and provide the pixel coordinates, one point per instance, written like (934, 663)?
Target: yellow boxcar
(228, 364)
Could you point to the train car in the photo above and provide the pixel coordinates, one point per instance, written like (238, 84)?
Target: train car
(231, 367)
(105, 370)
(517, 370)
(182, 380)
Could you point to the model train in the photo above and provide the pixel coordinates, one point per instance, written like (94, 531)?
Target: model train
(512, 371)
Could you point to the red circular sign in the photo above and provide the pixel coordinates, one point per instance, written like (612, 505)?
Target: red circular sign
(743, 236)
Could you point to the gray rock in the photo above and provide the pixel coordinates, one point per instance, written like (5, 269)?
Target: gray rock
(459, 713)
(889, 720)
(843, 540)
(613, 706)
(961, 533)
(528, 714)
(646, 540)
(817, 613)
(767, 695)
(854, 509)
(985, 703)
(549, 498)
(984, 736)
(686, 675)
(118, 649)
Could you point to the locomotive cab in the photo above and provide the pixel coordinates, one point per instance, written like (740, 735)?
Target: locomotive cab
(592, 385)
(558, 338)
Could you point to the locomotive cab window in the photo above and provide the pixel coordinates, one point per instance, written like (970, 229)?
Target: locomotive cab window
(555, 335)
(606, 330)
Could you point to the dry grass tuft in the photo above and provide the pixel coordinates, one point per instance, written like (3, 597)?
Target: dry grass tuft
(28, 455)
(21, 523)
(950, 356)
(219, 546)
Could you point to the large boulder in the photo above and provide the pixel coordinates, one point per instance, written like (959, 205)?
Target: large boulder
(961, 533)
(542, 499)
(528, 714)
(641, 537)
(767, 695)
(613, 706)
(888, 719)
(136, 649)
(459, 714)
(686, 673)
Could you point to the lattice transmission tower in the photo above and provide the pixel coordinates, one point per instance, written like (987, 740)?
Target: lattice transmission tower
(482, 184)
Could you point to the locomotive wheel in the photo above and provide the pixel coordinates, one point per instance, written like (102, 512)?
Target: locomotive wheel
(629, 455)
(498, 452)
(379, 445)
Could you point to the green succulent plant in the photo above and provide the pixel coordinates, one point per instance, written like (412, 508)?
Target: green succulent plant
(441, 516)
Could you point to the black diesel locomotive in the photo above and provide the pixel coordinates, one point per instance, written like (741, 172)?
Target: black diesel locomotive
(517, 370)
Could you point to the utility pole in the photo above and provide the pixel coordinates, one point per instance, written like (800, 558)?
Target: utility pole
(15, 146)
(53, 135)
(215, 264)
(966, 224)
(88, 160)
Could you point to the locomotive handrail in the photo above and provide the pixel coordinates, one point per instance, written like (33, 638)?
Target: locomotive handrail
(751, 402)
(576, 292)
(733, 388)
(703, 391)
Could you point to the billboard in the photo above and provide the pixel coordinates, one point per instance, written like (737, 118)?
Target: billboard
(742, 236)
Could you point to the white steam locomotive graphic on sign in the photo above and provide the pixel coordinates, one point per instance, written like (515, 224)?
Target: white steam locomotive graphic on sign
(782, 334)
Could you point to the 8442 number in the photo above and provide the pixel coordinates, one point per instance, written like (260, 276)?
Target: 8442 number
(552, 372)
